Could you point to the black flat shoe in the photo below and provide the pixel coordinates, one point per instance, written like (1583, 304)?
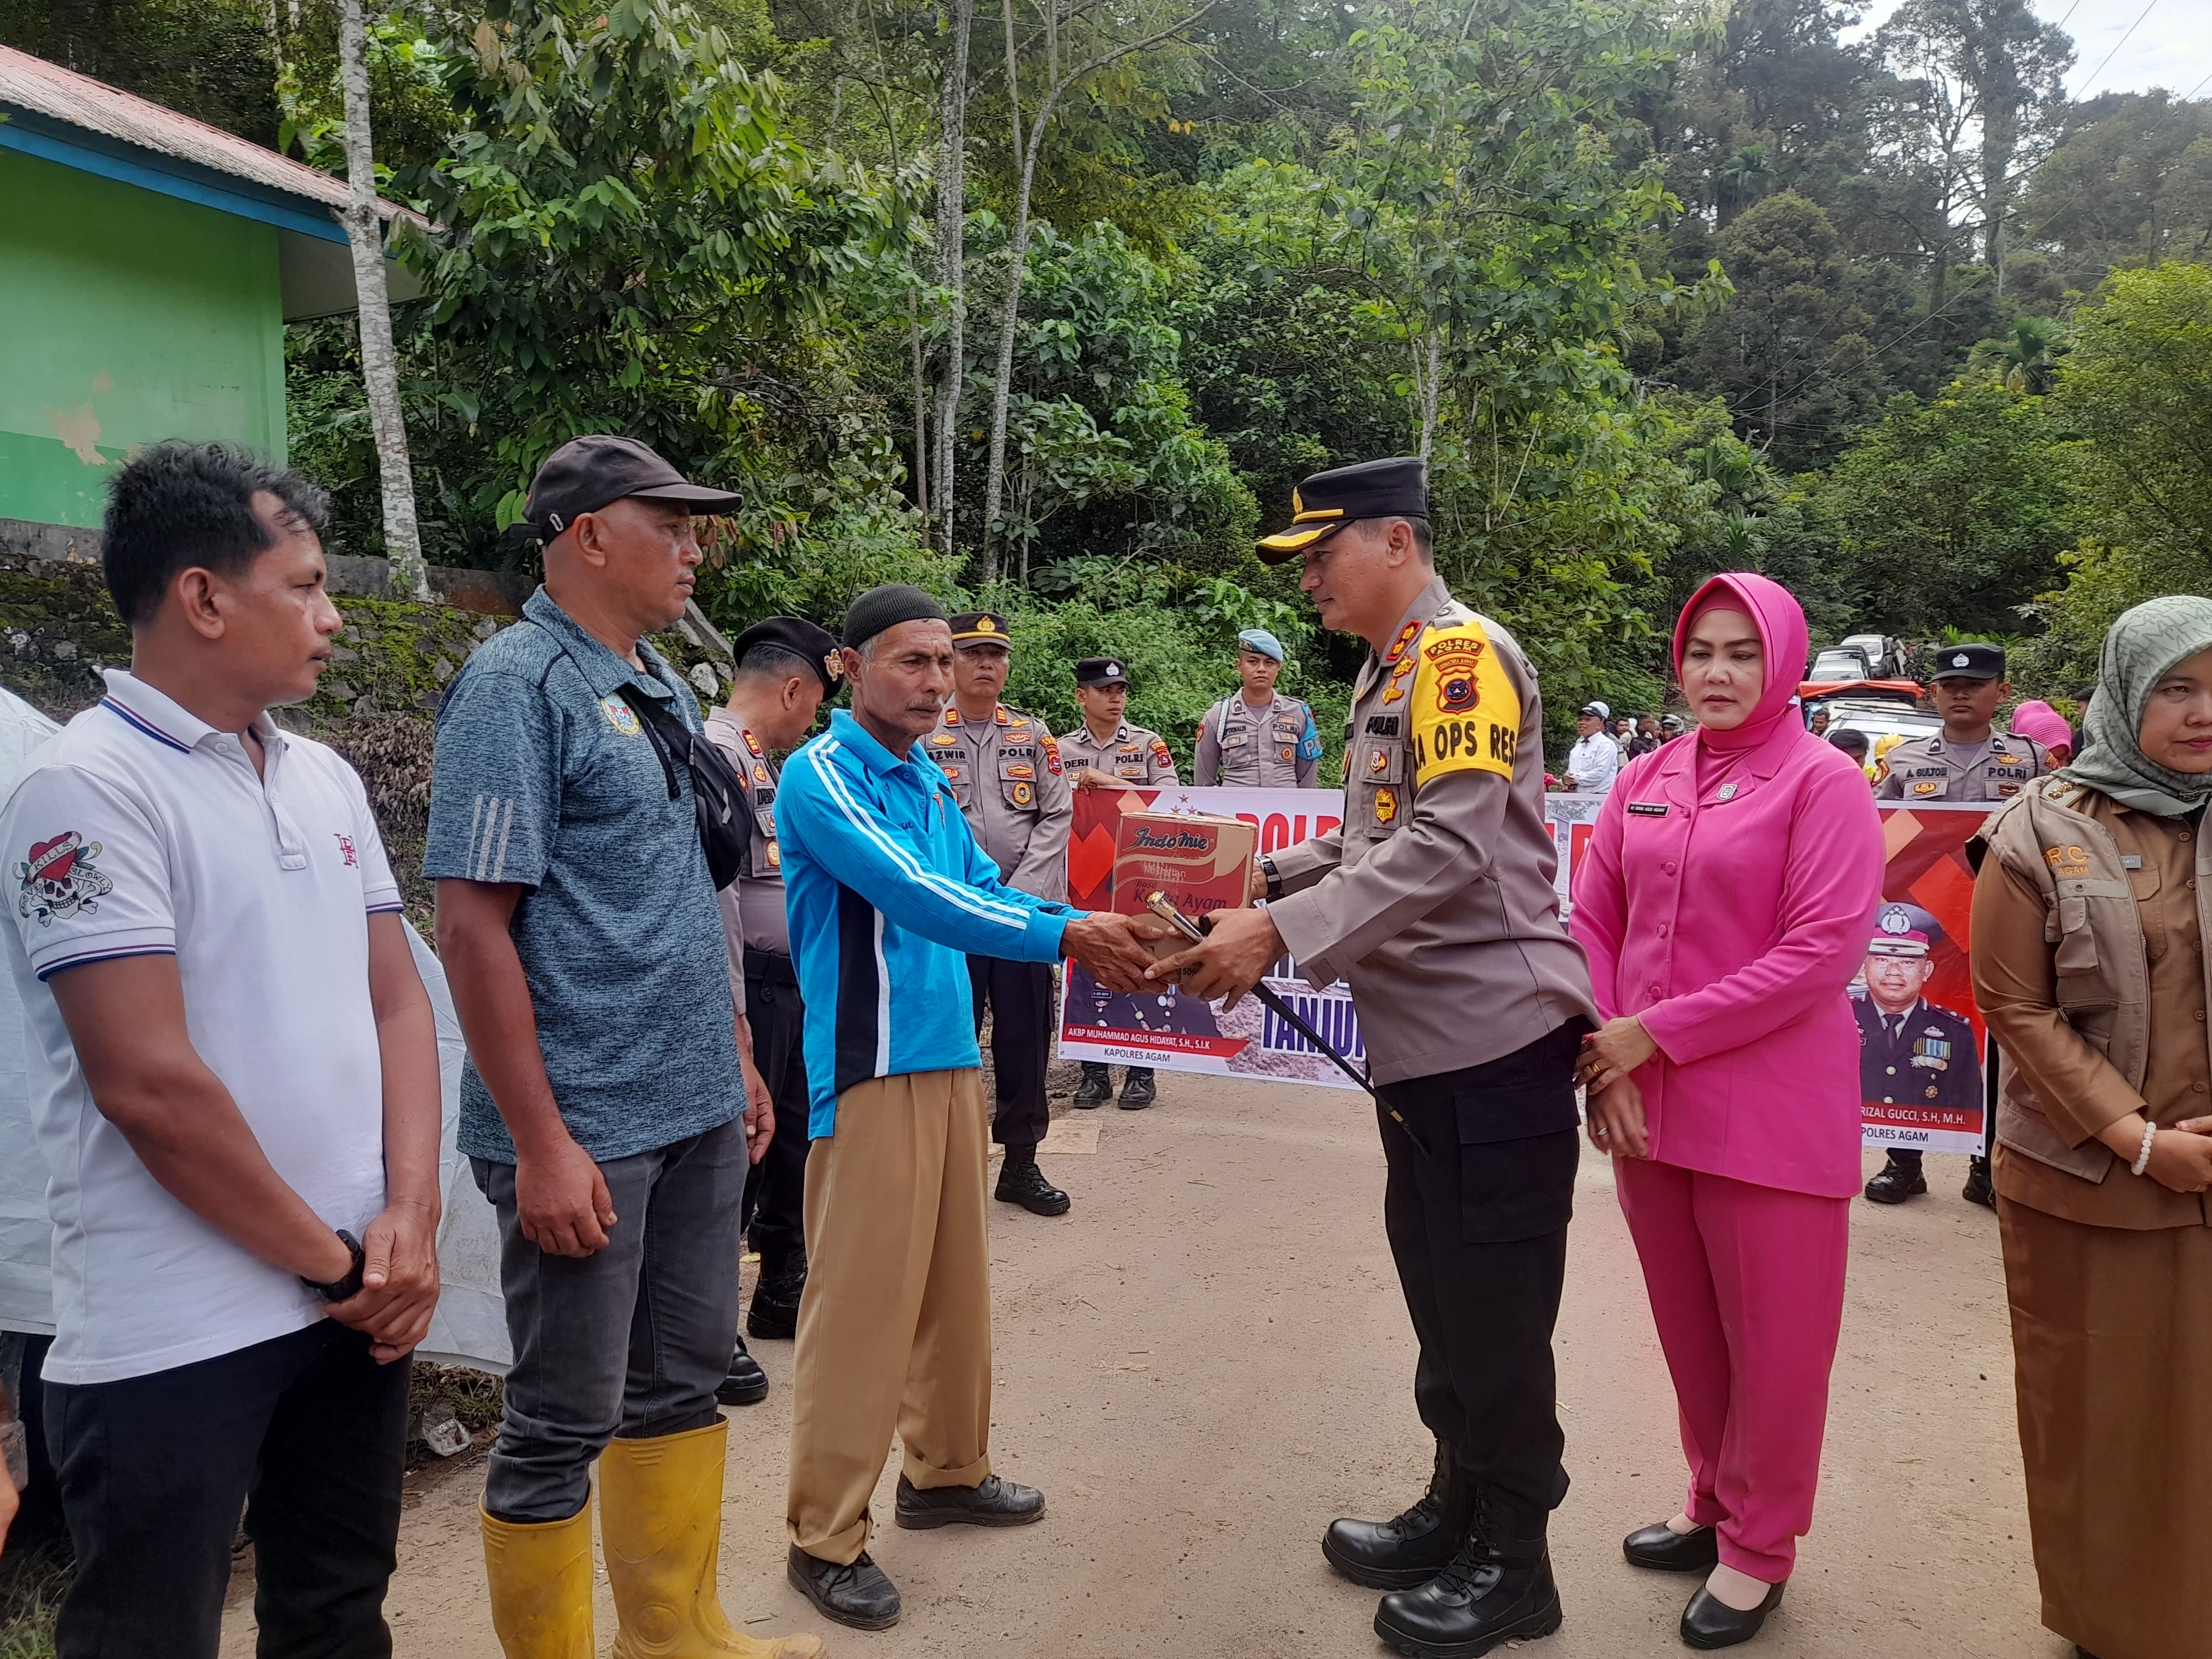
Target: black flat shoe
(746, 1383)
(1709, 1622)
(1662, 1549)
(855, 1593)
(995, 1502)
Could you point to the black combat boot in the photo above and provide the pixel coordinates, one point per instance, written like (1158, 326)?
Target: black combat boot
(1137, 1089)
(1898, 1179)
(746, 1383)
(1020, 1181)
(1497, 1589)
(1410, 1548)
(1096, 1087)
(774, 1311)
(1977, 1189)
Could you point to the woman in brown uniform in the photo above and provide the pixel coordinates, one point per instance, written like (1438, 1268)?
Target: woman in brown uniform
(2089, 931)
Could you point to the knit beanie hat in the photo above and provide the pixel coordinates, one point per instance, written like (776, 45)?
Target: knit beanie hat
(888, 606)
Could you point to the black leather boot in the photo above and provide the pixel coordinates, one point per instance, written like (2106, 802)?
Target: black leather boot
(1020, 1181)
(1096, 1087)
(1898, 1179)
(1411, 1547)
(1977, 1189)
(1137, 1089)
(746, 1383)
(1497, 1589)
(774, 1311)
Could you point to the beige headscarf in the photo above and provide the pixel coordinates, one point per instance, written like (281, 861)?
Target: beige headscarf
(2141, 649)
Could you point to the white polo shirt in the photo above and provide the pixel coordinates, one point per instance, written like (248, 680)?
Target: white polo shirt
(142, 830)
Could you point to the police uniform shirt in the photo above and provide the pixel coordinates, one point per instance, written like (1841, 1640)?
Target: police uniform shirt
(752, 905)
(1435, 899)
(1006, 775)
(1274, 747)
(1926, 1056)
(1931, 768)
(1131, 754)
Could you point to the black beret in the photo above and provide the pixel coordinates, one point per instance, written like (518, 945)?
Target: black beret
(802, 638)
(887, 607)
(981, 628)
(1101, 671)
(1394, 489)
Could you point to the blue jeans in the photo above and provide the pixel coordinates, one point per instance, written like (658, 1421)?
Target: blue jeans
(629, 1340)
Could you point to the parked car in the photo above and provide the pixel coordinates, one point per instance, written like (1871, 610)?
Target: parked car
(1841, 663)
(1885, 657)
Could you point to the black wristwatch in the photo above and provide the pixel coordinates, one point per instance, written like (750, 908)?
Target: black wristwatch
(341, 1290)
(1274, 877)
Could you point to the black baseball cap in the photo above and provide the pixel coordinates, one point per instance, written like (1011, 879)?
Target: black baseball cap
(1969, 662)
(1397, 487)
(1101, 671)
(802, 639)
(586, 474)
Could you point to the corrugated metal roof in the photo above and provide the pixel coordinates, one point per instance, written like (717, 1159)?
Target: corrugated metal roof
(77, 101)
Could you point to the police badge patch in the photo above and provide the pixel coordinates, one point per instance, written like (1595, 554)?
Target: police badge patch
(620, 715)
(59, 880)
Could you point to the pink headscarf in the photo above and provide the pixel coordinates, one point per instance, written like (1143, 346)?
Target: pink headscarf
(1782, 631)
(2043, 723)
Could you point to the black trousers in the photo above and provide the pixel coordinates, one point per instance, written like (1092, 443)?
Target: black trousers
(775, 1191)
(1019, 996)
(1478, 1225)
(304, 1432)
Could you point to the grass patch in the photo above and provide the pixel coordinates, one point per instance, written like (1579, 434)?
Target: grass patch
(32, 1583)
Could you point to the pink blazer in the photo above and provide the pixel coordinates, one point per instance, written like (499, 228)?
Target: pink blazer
(1732, 927)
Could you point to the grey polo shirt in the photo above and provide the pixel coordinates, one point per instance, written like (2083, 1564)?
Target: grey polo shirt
(544, 775)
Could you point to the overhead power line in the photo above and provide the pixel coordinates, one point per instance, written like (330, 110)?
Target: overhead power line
(2117, 44)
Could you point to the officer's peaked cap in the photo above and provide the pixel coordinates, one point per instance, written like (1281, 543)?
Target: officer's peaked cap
(981, 628)
(1969, 662)
(1101, 671)
(1394, 489)
(1903, 930)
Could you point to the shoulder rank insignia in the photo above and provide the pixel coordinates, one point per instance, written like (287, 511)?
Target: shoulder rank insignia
(1406, 636)
(1005, 715)
(753, 744)
(951, 715)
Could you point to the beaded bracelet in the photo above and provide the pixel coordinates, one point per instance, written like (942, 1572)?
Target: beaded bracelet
(2142, 1157)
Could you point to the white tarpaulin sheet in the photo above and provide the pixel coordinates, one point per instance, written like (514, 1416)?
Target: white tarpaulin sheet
(470, 1326)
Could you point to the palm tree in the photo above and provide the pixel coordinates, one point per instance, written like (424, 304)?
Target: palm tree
(2027, 360)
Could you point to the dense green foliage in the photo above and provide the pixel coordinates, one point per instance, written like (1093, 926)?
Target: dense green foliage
(1657, 288)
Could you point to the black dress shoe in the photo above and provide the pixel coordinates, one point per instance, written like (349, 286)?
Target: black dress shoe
(1897, 1181)
(1020, 1181)
(747, 1384)
(995, 1502)
(1497, 1589)
(1664, 1550)
(1411, 1547)
(1977, 1189)
(1709, 1622)
(774, 1315)
(1096, 1087)
(855, 1593)
(1137, 1089)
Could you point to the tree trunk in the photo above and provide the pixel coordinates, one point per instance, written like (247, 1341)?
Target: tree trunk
(1999, 138)
(951, 268)
(380, 366)
(1426, 379)
(994, 476)
(921, 408)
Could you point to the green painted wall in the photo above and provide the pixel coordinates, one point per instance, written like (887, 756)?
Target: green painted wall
(125, 318)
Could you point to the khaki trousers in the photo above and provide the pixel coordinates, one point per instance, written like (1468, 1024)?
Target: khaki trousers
(894, 1326)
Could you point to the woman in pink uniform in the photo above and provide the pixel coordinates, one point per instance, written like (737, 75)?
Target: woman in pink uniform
(1725, 901)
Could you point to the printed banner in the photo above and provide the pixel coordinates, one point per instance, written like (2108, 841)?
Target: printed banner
(1922, 1038)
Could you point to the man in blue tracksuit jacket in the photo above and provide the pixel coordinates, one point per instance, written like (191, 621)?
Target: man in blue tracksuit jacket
(887, 894)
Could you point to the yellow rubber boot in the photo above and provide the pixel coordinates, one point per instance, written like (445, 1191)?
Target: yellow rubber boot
(660, 1520)
(541, 1585)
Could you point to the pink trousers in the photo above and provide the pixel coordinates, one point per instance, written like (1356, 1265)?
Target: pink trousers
(1747, 1286)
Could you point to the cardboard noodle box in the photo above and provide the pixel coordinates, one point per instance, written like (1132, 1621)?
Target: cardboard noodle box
(1202, 864)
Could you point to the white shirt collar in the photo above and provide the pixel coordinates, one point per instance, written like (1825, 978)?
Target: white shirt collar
(162, 717)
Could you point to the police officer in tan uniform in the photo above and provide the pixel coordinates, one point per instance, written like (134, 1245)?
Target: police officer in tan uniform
(1256, 739)
(1005, 772)
(787, 668)
(1107, 753)
(1969, 760)
(1435, 901)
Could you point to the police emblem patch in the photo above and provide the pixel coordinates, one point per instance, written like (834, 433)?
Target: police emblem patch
(1386, 804)
(1928, 787)
(760, 772)
(943, 739)
(1052, 754)
(1455, 659)
(59, 880)
(620, 715)
(774, 856)
(1023, 794)
(1289, 753)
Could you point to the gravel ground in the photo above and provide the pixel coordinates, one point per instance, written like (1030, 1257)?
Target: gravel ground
(1207, 1359)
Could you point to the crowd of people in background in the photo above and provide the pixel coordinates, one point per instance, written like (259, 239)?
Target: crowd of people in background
(234, 1079)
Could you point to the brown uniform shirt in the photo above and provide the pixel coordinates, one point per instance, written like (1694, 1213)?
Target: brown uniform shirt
(1256, 748)
(752, 905)
(1926, 769)
(1131, 754)
(2016, 982)
(1007, 777)
(1435, 899)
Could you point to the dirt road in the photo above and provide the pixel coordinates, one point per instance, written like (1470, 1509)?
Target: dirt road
(1208, 1358)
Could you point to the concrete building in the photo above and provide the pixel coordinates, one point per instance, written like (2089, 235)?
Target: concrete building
(149, 264)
